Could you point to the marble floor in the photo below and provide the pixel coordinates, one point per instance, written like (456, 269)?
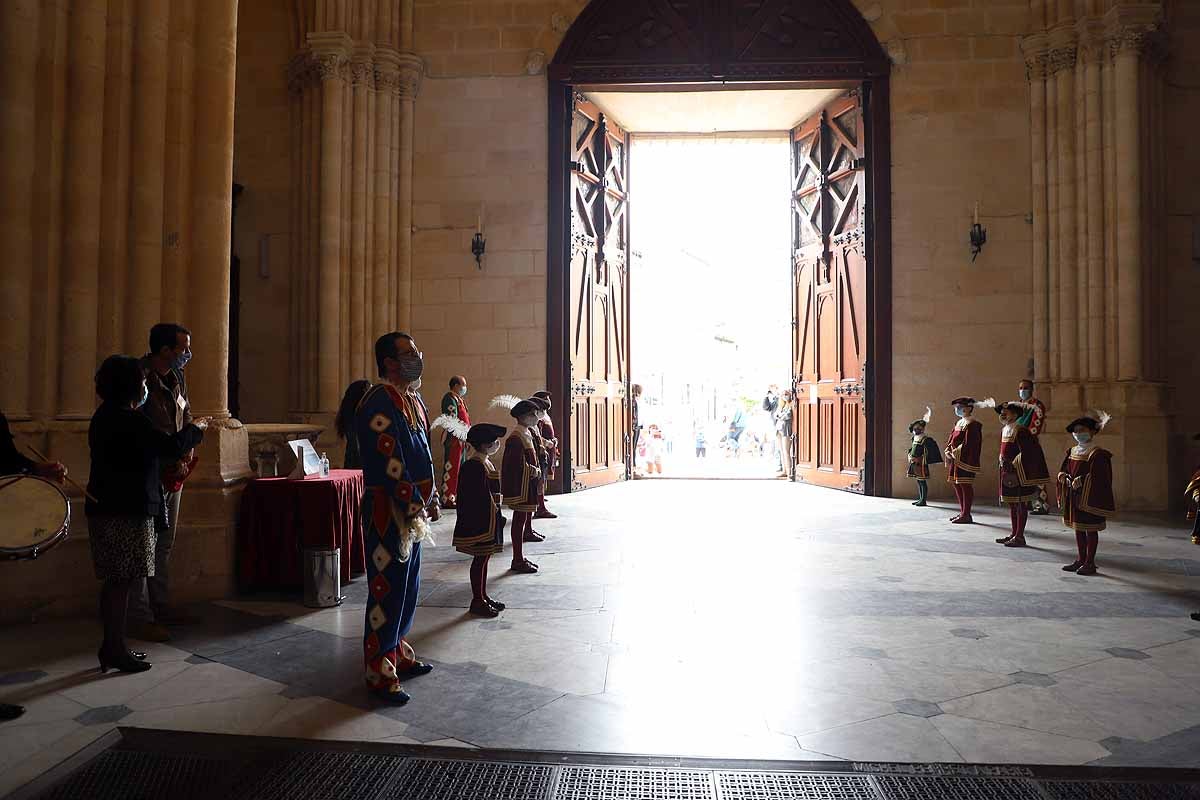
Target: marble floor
(737, 619)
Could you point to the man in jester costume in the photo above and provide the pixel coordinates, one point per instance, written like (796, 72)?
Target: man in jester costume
(1033, 418)
(400, 500)
(454, 404)
(922, 454)
(1085, 490)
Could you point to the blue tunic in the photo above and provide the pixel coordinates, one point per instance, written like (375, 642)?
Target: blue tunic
(392, 431)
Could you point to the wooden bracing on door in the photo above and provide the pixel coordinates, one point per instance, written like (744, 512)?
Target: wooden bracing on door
(599, 318)
(829, 303)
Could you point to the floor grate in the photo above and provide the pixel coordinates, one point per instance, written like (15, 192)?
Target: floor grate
(631, 783)
(793, 786)
(1092, 790)
(906, 787)
(327, 776)
(123, 775)
(433, 779)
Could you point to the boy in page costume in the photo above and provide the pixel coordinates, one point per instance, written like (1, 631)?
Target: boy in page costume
(1033, 418)
(392, 430)
(520, 476)
(479, 525)
(963, 451)
(1192, 496)
(545, 428)
(1085, 490)
(922, 454)
(1023, 470)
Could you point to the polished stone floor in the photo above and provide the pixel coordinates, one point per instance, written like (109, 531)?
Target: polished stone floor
(732, 619)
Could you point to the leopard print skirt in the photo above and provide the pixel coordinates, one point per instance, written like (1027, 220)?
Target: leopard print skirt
(122, 547)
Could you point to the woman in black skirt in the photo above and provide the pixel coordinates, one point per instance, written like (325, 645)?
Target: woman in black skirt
(126, 483)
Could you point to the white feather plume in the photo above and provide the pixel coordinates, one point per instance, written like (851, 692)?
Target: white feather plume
(928, 415)
(505, 401)
(1103, 417)
(452, 425)
(989, 402)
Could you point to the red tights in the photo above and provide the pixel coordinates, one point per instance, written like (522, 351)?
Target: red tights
(1019, 512)
(965, 493)
(479, 571)
(522, 522)
(1087, 542)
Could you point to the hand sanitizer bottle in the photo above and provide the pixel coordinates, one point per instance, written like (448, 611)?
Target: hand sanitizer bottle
(324, 465)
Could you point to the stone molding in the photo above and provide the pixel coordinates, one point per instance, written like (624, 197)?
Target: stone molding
(334, 56)
(1136, 28)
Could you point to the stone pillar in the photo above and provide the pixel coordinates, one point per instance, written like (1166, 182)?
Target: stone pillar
(410, 82)
(1096, 159)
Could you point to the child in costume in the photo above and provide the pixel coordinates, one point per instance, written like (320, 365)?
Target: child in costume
(1034, 417)
(546, 430)
(922, 454)
(479, 526)
(963, 451)
(1085, 490)
(543, 453)
(520, 476)
(1192, 496)
(1023, 470)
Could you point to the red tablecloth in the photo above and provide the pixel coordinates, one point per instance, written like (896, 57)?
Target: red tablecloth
(279, 517)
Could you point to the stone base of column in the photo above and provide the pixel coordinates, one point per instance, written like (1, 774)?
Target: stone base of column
(62, 582)
(1139, 436)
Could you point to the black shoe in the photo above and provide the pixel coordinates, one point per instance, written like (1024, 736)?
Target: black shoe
(496, 604)
(919, 503)
(122, 662)
(1074, 565)
(415, 671)
(398, 697)
(482, 608)
(1195, 615)
(9, 711)
(140, 656)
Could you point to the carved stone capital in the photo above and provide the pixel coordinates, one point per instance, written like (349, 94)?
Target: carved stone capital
(1062, 49)
(1034, 48)
(1138, 29)
(330, 54)
(1093, 45)
(410, 70)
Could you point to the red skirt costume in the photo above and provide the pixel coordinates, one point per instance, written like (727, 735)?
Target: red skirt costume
(1023, 468)
(963, 451)
(1085, 490)
(546, 431)
(519, 479)
(479, 525)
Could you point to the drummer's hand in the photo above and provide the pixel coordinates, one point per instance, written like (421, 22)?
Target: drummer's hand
(53, 470)
(202, 422)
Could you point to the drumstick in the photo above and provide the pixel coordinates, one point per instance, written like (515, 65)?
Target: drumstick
(39, 454)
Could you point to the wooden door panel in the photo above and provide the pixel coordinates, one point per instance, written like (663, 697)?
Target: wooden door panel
(599, 300)
(829, 345)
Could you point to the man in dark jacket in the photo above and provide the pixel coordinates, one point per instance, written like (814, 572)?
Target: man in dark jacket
(168, 408)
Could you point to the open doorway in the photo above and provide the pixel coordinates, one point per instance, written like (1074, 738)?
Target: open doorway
(710, 316)
(839, 206)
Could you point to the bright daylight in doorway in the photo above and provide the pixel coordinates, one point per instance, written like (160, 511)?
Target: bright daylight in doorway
(710, 302)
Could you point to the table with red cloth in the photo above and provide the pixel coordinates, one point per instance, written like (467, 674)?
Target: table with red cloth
(280, 517)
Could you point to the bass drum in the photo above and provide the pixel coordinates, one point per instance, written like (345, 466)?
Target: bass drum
(35, 516)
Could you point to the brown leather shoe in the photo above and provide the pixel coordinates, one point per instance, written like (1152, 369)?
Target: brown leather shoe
(149, 632)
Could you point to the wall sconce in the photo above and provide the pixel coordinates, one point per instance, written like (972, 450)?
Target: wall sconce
(978, 236)
(478, 243)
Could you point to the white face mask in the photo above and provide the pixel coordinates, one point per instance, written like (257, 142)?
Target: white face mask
(493, 448)
(960, 411)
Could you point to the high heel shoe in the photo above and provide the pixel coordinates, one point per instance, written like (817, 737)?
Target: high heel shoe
(122, 662)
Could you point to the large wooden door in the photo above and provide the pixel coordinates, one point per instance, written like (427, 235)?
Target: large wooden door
(599, 297)
(829, 346)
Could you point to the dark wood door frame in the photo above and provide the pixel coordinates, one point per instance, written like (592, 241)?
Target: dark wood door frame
(818, 43)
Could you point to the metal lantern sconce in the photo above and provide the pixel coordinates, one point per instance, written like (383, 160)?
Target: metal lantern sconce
(978, 236)
(478, 243)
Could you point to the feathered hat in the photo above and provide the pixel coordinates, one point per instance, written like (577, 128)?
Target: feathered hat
(483, 434)
(1095, 422)
(522, 408)
(1015, 406)
(505, 401)
(972, 402)
(452, 425)
(541, 403)
(545, 396)
(922, 421)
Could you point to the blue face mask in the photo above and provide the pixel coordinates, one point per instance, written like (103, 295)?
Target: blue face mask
(181, 359)
(462, 391)
(145, 395)
(1082, 438)
(959, 411)
(1025, 394)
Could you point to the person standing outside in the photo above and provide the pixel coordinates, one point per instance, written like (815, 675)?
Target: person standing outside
(1033, 418)
(400, 501)
(454, 404)
(783, 433)
(770, 405)
(635, 397)
(169, 412)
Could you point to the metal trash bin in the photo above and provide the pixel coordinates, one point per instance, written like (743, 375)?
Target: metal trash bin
(322, 577)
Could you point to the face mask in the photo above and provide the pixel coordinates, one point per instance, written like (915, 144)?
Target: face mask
(462, 391)
(181, 359)
(493, 448)
(1025, 394)
(959, 411)
(145, 395)
(411, 366)
(528, 421)
(1082, 438)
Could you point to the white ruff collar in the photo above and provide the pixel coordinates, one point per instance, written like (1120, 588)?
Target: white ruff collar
(1083, 449)
(964, 422)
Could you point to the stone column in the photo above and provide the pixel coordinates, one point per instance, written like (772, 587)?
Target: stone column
(362, 77)
(1062, 57)
(18, 135)
(1093, 207)
(1035, 63)
(1128, 191)
(411, 68)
